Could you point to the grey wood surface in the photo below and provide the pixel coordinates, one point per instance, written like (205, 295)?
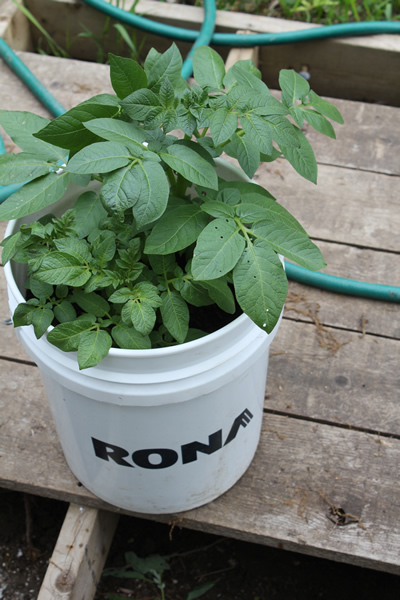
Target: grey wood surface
(331, 436)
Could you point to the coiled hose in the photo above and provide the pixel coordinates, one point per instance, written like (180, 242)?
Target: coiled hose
(205, 37)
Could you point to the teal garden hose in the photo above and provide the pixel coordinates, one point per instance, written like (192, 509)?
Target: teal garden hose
(205, 37)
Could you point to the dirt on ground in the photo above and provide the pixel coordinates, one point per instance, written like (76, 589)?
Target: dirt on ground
(188, 564)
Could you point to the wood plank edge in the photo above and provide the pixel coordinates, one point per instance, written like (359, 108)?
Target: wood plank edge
(79, 555)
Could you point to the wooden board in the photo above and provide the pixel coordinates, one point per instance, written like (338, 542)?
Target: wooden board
(301, 470)
(361, 68)
(331, 435)
(81, 550)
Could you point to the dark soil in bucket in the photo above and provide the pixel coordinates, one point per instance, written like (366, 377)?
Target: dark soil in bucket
(237, 570)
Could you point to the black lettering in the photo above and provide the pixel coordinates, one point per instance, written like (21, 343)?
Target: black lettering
(109, 451)
(142, 458)
(189, 451)
(241, 421)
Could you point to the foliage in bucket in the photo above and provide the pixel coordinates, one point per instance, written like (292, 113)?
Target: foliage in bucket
(162, 237)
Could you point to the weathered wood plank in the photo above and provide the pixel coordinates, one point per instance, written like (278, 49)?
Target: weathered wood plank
(14, 27)
(369, 140)
(348, 312)
(301, 469)
(236, 54)
(351, 313)
(363, 68)
(79, 555)
(355, 384)
(347, 206)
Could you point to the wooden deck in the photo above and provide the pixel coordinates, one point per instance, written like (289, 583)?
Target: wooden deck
(331, 436)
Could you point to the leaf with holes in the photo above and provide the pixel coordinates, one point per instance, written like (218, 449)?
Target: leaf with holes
(218, 249)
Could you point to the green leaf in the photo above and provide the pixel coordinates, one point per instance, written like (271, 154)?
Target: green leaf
(223, 124)
(93, 347)
(246, 188)
(21, 125)
(293, 85)
(176, 230)
(91, 303)
(57, 268)
(127, 337)
(16, 121)
(325, 108)
(256, 207)
(68, 130)
(258, 132)
(88, 212)
(142, 105)
(34, 196)
(200, 590)
(167, 94)
(141, 314)
(194, 293)
(74, 247)
(218, 209)
(39, 289)
(100, 157)
(175, 315)
(117, 131)
(147, 292)
(104, 247)
(191, 165)
(292, 243)
(18, 168)
(282, 131)
(221, 294)
(319, 123)
(302, 158)
(121, 296)
(121, 189)
(246, 153)
(153, 192)
(218, 249)
(242, 99)
(260, 284)
(64, 312)
(66, 336)
(165, 66)
(208, 67)
(244, 77)
(41, 319)
(229, 195)
(126, 75)
(244, 65)
(23, 314)
(11, 245)
(154, 563)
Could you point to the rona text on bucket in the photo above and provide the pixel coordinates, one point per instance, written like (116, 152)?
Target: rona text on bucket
(168, 456)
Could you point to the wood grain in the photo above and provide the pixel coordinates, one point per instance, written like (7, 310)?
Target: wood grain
(300, 471)
(355, 387)
(76, 564)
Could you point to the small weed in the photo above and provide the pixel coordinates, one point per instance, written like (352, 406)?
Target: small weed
(151, 570)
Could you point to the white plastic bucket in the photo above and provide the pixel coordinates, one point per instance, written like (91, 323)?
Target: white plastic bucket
(156, 431)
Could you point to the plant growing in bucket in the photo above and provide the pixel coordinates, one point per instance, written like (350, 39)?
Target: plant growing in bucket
(149, 271)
